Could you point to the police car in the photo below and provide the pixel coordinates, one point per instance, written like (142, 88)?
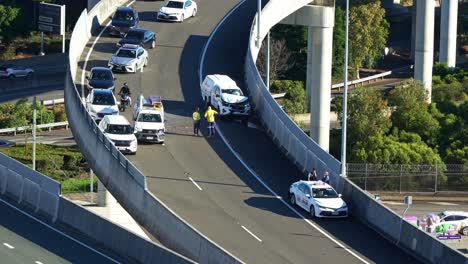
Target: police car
(318, 198)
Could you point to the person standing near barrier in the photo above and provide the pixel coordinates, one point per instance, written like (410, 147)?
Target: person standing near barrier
(312, 176)
(196, 122)
(326, 177)
(210, 118)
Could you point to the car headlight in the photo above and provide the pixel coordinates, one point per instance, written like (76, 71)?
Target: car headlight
(224, 103)
(138, 129)
(162, 13)
(119, 44)
(344, 207)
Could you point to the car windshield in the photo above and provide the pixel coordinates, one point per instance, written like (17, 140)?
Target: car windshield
(124, 16)
(237, 92)
(135, 35)
(325, 193)
(101, 75)
(103, 99)
(146, 117)
(173, 4)
(119, 129)
(125, 53)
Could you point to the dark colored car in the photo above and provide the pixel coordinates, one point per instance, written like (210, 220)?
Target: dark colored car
(124, 19)
(101, 78)
(139, 36)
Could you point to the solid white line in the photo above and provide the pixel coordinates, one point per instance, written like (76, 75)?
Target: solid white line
(8, 246)
(38, 262)
(58, 231)
(442, 203)
(245, 164)
(252, 234)
(199, 188)
(83, 73)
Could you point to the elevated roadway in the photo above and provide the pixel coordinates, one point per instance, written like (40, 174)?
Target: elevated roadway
(201, 179)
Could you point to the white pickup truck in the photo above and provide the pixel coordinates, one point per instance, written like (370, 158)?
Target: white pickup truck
(148, 117)
(223, 94)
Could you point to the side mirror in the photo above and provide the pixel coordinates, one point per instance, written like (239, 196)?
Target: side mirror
(308, 196)
(87, 77)
(339, 195)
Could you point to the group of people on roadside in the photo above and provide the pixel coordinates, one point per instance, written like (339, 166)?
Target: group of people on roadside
(210, 119)
(312, 176)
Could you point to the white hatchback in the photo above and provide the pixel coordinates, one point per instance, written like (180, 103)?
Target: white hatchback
(318, 198)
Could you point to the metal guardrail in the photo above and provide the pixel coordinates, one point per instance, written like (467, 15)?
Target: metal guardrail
(49, 126)
(53, 102)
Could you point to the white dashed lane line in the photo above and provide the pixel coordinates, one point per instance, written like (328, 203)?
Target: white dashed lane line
(198, 186)
(443, 203)
(38, 262)
(252, 234)
(8, 246)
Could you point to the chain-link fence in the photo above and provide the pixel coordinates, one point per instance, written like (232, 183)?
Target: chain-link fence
(409, 178)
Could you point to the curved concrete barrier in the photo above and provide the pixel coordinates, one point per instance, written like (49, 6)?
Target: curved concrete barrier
(306, 153)
(126, 183)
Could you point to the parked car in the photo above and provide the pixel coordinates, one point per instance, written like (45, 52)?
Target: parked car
(139, 36)
(458, 218)
(124, 19)
(177, 10)
(101, 102)
(120, 133)
(101, 78)
(318, 198)
(129, 58)
(13, 71)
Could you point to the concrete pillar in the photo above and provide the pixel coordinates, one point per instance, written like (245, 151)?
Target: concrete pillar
(424, 46)
(448, 32)
(102, 194)
(320, 82)
(309, 63)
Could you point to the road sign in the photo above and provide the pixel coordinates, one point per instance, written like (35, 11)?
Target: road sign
(51, 18)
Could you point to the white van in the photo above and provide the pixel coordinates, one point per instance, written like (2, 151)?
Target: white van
(118, 130)
(224, 95)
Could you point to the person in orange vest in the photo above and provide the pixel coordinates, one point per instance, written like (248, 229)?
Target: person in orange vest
(196, 121)
(210, 118)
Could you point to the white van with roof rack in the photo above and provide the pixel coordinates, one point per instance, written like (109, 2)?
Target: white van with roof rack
(223, 94)
(148, 117)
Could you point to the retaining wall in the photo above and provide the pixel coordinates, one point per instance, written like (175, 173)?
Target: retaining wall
(306, 154)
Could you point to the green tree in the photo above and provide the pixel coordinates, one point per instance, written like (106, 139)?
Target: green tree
(295, 101)
(412, 111)
(368, 34)
(338, 44)
(8, 15)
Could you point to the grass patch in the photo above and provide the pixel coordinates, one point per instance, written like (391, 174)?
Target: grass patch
(62, 163)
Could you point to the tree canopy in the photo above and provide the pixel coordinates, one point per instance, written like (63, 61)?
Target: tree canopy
(8, 15)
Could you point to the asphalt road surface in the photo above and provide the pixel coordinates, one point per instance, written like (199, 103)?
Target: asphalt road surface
(25, 240)
(201, 179)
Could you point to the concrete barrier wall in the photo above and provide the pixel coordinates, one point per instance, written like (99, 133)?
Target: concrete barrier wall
(126, 183)
(306, 154)
(115, 237)
(26, 186)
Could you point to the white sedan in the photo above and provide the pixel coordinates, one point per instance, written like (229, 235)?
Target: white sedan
(318, 198)
(129, 58)
(177, 10)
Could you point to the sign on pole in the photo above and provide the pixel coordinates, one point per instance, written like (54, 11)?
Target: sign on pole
(52, 19)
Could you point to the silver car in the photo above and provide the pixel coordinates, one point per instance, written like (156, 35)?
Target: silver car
(13, 71)
(129, 58)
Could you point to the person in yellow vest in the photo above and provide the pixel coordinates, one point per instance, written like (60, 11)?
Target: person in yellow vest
(196, 122)
(210, 118)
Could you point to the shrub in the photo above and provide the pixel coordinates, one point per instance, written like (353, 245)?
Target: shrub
(9, 53)
(60, 114)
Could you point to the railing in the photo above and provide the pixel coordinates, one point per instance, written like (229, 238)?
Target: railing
(49, 126)
(53, 102)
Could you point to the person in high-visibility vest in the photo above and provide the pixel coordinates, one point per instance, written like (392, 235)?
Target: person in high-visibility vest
(210, 118)
(196, 121)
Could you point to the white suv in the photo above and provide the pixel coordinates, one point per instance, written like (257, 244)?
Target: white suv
(101, 102)
(118, 130)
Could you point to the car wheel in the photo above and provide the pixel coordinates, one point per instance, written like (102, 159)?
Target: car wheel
(194, 13)
(292, 199)
(146, 62)
(29, 75)
(312, 211)
(153, 44)
(12, 76)
(464, 231)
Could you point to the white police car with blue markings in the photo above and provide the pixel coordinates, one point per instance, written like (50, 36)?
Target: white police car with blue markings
(318, 198)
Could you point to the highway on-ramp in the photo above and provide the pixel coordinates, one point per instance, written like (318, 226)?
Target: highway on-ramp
(201, 179)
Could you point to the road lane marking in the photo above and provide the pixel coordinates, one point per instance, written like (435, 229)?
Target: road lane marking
(442, 203)
(38, 262)
(252, 234)
(392, 203)
(8, 246)
(58, 231)
(205, 48)
(199, 188)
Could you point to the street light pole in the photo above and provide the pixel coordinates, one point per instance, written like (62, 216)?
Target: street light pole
(259, 11)
(34, 134)
(345, 97)
(267, 66)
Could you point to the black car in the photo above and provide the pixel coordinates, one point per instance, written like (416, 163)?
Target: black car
(124, 19)
(139, 36)
(101, 78)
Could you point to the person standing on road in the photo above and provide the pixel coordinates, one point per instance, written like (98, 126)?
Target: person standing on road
(326, 177)
(312, 175)
(210, 118)
(196, 122)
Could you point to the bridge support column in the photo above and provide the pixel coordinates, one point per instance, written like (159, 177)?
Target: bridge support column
(424, 46)
(102, 195)
(319, 83)
(448, 32)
